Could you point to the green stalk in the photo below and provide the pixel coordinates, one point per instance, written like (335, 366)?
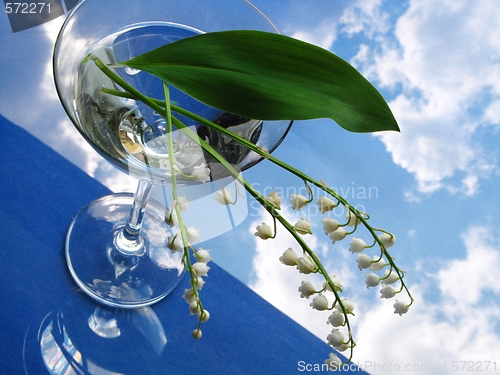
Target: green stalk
(166, 106)
(182, 226)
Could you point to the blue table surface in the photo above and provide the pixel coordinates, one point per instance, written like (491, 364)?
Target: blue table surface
(43, 310)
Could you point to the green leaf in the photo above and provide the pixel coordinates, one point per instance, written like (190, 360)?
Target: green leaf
(269, 77)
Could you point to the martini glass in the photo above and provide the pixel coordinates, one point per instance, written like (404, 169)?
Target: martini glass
(116, 246)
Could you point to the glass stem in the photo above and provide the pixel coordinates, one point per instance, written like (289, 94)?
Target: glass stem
(129, 240)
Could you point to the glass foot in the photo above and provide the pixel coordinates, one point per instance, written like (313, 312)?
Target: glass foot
(111, 276)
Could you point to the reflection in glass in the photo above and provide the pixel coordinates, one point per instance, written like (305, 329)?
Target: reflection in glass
(106, 341)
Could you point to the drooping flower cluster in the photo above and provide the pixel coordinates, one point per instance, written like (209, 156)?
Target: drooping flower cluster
(308, 263)
(183, 241)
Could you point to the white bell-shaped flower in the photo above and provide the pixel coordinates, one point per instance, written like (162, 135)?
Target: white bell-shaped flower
(357, 245)
(372, 280)
(400, 308)
(377, 263)
(325, 204)
(193, 235)
(330, 225)
(306, 264)
(203, 256)
(333, 362)
(171, 218)
(289, 257)
(194, 307)
(223, 196)
(388, 292)
(352, 220)
(387, 240)
(303, 226)
(201, 173)
(338, 235)
(306, 289)
(264, 231)
(203, 316)
(274, 198)
(189, 295)
(348, 305)
(298, 201)
(336, 283)
(200, 269)
(197, 334)
(364, 261)
(175, 243)
(336, 319)
(183, 203)
(320, 303)
(389, 278)
(335, 338)
(199, 283)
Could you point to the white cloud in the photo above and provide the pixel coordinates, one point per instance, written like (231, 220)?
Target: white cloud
(457, 326)
(442, 59)
(323, 35)
(457, 323)
(465, 280)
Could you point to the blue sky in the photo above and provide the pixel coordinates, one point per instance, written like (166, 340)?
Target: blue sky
(434, 184)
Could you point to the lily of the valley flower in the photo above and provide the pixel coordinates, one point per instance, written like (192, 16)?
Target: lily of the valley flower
(203, 316)
(306, 289)
(197, 334)
(303, 226)
(199, 283)
(352, 220)
(194, 307)
(223, 196)
(171, 218)
(333, 362)
(320, 302)
(389, 278)
(193, 235)
(201, 173)
(289, 257)
(357, 245)
(264, 231)
(325, 204)
(377, 263)
(175, 243)
(336, 319)
(387, 239)
(274, 199)
(348, 305)
(388, 292)
(200, 269)
(298, 201)
(306, 264)
(335, 338)
(183, 203)
(364, 261)
(338, 235)
(336, 284)
(330, 225)
(203, 256)
(400, 308)
(189, 295)
(372, 280)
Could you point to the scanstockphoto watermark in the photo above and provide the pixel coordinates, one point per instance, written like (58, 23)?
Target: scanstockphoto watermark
(366, 366)
(303, 366)
(374, 366)
(353, 193)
